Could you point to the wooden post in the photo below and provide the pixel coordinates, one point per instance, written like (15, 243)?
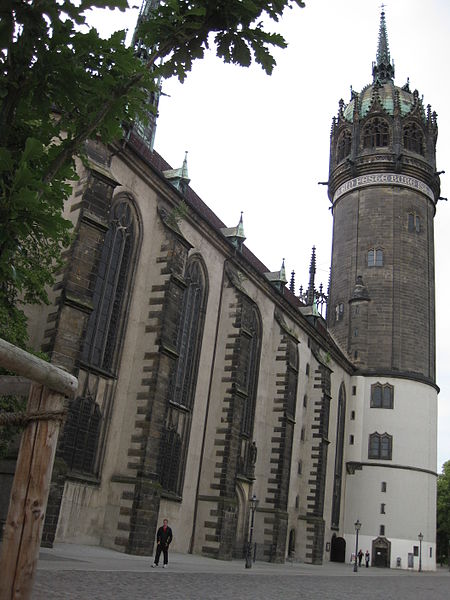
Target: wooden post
(29, 495)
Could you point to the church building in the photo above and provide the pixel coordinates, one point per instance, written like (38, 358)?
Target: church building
(205, 381)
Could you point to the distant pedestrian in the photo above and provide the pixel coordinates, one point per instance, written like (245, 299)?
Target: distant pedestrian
(367, 559)
(163, 539)
(360, 557)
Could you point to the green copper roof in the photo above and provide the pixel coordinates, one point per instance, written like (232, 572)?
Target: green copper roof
(386, 94)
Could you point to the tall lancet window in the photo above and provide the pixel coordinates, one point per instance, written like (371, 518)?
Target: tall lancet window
(339, 459)
(110, 289)
(247, 376)
(376, 133)
(175, 438)
(292, 378)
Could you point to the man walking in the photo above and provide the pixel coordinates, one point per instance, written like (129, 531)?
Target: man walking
(163, 539)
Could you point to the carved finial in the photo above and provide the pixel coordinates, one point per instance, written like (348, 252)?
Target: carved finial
(312, 277)
(292, 282)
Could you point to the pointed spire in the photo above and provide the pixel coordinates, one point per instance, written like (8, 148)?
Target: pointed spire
(283, 272)
(184, 168)
(179, 178)
(278, 278)
(383, 70)
(240, 227)
(312, 277)
(292, 282)
(236, 234)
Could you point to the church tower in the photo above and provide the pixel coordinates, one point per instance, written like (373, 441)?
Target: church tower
(384, 188)
(146, 131)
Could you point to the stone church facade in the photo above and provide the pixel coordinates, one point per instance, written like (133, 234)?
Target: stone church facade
(204, 380)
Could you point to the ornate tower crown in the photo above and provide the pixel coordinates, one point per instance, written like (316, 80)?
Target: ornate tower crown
(383, 127)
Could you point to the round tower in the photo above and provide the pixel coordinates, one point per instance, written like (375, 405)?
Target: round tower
(384, 188)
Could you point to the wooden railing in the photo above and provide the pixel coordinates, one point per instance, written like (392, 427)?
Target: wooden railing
(29, 494)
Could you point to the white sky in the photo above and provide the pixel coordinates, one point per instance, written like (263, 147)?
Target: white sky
(260, 144)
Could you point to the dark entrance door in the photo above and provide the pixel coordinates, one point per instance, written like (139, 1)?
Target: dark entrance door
(381, 552)
(381, 557)
(337, 551)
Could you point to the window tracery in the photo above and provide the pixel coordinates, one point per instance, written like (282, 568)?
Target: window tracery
(110, 289)
(81, 434)
(175, 435)
(376, 133)
(344, 145)
(413, 138)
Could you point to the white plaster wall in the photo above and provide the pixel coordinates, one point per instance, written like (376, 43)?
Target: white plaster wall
(400, 548)
(410, 497)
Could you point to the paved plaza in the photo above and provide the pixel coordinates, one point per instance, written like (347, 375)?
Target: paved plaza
(71, 572)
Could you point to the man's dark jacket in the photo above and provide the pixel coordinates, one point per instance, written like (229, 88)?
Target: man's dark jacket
(164, 537)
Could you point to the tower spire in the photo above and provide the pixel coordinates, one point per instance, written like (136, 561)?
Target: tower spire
(383, 70)
(312, 278)
(146, 131)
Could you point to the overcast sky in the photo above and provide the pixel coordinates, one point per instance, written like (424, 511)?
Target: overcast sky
(260, 144)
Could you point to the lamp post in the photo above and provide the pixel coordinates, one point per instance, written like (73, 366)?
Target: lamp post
(420, 536)
(357, 528)
(253, 503)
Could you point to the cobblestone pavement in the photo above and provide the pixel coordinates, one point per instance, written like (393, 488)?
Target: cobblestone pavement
(88, 573)
(79, 585)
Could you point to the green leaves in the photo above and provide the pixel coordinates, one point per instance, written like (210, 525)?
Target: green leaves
(179, 32)
(60, 83)
(443, 511)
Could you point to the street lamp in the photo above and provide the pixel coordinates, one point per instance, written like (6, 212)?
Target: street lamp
(420, 536)
(253, 503)
(357, 528)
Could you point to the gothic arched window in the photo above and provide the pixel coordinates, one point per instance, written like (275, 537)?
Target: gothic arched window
(110, 289)
(292, 377)
(339, 459)
(188, 335)
(413, 138)
(247, 375)
(176, 433)
(380, 446)
(376, 133)
(344, 145)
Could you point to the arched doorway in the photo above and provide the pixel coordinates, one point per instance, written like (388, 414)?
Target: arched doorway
(337, 551)
(381, 553)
